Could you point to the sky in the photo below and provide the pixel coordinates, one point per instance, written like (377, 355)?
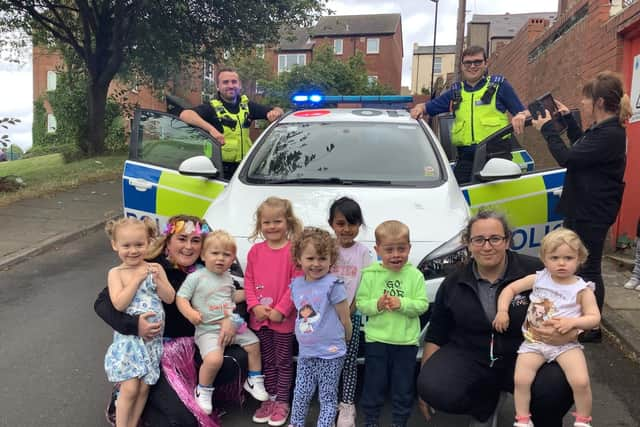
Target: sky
(16, 91)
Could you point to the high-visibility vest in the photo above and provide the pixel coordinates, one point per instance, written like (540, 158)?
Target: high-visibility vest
(476, 115)
(236, 138)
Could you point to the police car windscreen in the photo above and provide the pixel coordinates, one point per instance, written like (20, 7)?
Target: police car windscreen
(375, 153)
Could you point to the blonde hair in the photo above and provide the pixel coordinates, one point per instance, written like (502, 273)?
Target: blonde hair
(159, 244)
(563, 236)
(322, 242)
(112, 227)
(391, 229)
(294, 225)
(225, 239)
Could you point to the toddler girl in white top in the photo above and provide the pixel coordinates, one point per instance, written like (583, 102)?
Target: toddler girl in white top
(564, 301)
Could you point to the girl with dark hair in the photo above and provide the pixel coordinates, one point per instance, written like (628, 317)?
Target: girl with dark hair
(345, 218)
(595, 162)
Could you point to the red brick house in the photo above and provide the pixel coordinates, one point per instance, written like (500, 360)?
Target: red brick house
(378, 37)
(587, 37)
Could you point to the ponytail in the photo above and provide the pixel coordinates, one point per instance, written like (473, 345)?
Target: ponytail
(625, 109)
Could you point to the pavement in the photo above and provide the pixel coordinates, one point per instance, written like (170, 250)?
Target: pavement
(31, 227)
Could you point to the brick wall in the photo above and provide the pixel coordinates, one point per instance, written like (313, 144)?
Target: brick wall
(590, 46)
(543, 58)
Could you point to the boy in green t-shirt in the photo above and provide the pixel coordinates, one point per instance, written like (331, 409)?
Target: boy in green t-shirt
(392, 295)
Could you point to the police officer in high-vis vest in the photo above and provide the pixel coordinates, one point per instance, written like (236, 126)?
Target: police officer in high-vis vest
(228, 118)
(480, 104)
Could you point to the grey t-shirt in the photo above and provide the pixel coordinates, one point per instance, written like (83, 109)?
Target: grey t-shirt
(487, 292)
(211, 294)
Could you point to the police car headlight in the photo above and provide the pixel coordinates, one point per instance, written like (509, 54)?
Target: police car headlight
(445, 259)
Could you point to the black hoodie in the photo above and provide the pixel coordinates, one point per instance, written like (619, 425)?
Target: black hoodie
(458, 318)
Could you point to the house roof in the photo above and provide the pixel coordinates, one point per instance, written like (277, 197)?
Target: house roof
(508, 24)
(346, 25)
(428, 50)
(295, 39)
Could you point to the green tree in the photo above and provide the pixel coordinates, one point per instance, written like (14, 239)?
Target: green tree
(5, 122)
(252, 68)
(147, 38)
(325, 74)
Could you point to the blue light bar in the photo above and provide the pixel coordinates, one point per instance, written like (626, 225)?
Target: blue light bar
(314, 100)
(368, 98)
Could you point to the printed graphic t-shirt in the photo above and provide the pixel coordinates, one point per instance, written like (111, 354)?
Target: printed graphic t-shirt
(318, 328)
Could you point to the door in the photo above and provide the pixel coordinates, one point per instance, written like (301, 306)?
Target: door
(529, 203)
(151, 184)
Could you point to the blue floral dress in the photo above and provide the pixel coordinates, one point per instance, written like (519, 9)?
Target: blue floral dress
(130, 356)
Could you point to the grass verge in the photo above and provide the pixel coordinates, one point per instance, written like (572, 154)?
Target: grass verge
(49, 174)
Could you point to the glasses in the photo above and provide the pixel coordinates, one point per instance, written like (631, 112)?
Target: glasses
(476, 63)
(481, 240)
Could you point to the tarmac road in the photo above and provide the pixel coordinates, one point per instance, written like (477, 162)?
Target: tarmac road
(52, 347)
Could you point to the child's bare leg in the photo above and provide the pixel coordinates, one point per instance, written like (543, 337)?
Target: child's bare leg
(254, 362)
(138, 407)
(527, 366)
(126, 400)
(211, 364)
(574, 365)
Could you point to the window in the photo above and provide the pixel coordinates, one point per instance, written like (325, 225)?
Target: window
(437, 65)
(337, 46)
(51, 123)
(372, 79)
(165, 141)
(260, 51)
(288, 61)
(373, 45)
(52, 77)
(327, 152)
(208, 82)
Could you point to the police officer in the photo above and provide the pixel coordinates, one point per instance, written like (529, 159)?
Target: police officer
(480, 104)
(227, 118)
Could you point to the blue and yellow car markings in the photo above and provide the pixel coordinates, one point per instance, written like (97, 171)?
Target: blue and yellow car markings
(524, 160)
(143, 200)
(164, 192)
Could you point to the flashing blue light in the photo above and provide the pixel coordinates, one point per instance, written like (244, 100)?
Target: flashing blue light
(304, 99)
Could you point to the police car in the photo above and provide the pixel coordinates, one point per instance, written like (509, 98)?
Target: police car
(393, 165)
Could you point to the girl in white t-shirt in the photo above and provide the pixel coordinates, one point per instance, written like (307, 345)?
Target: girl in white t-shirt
(345, 217)
(563, 300)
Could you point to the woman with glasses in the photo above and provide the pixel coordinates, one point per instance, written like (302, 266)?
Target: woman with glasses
(480, 103)
(466, 364)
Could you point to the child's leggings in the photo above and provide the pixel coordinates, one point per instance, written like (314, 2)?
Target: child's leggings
(312, 372)
(277, 362)
(636, 266)
(350, 370)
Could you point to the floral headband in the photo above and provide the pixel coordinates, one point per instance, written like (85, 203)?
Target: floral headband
(187, 227)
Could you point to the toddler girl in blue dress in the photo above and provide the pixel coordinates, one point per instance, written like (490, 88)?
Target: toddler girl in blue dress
(135, 287)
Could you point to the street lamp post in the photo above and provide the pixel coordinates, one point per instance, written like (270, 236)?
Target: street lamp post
(433, 53)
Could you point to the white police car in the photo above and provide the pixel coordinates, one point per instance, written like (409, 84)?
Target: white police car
(394, 166)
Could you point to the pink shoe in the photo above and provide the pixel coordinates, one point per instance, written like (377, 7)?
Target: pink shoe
(263, 413)
(279, 414)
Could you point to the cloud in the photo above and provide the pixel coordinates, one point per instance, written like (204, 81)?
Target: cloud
(16, 94)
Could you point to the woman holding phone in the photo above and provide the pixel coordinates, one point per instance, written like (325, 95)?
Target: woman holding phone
(595, 162)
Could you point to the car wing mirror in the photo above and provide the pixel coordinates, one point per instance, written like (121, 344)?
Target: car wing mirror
(498, 168)
(198, 166)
